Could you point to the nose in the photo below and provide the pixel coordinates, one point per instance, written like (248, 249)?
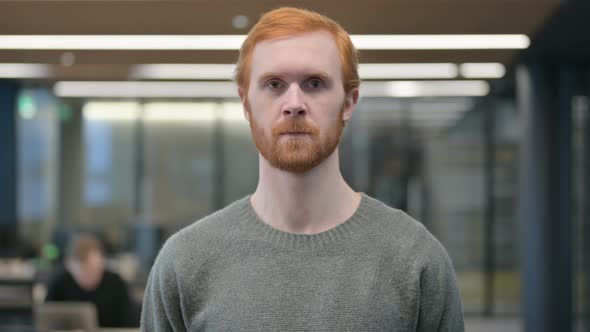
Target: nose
(294, 103)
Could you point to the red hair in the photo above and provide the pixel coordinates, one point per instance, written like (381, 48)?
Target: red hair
(289, 21)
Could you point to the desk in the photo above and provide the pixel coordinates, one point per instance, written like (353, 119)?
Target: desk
(16, 301)
(16, 292)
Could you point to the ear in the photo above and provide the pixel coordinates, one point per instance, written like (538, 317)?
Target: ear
(244, 99)
(350, 102)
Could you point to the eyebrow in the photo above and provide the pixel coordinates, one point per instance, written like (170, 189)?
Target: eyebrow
(315, 73)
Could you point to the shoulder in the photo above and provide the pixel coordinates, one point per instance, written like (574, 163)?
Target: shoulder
(57, 283)
(405, 235)
(113, 278)
(204, 237)
(393, 223)
(59, 276)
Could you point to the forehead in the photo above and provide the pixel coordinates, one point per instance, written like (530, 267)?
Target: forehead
(297, 54)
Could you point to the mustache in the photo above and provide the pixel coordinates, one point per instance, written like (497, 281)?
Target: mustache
(295, 126)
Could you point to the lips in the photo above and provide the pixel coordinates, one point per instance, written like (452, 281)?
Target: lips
(295, 129)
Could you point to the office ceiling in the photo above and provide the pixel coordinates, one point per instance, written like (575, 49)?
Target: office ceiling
(215, 17)
(564, 37)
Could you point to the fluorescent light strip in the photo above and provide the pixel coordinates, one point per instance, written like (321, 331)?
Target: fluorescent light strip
(366, 71)
(407, 70)
(402, 89)
(439, 42)
(233, 42)
(229, 89)
(24, 70)
(482, 70)
(226, 71)
(121, 42)
(180, 113)
(111, 111)
(183, 71)
(122, 89)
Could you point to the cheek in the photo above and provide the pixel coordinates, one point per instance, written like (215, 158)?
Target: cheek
(257, 99)
(258, 117)
(331, 112)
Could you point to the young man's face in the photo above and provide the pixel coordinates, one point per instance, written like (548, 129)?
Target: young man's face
(89, 272)
(296, 103)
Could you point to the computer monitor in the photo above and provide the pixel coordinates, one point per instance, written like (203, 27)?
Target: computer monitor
(51, 316)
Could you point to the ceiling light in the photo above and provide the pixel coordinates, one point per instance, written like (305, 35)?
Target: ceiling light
(367, 71)
(407, 70)
(67, 59)
(180, 113)
(439, 42)
(121, 42)
(111, 111)
(183, 71)
(424, 88)
(226, 71)
(240, 21)
(24, 70)
(482, 70)
(122, 89)
(233, 42)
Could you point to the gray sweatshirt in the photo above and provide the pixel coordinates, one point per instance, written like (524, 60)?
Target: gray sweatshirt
(380, 270)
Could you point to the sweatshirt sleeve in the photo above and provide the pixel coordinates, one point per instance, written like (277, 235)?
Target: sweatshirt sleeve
(440, 301)
(161, 305)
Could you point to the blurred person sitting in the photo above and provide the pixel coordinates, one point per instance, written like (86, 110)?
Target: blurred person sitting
(85, 279)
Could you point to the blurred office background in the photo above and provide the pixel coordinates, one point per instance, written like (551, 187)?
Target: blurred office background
(484, 139)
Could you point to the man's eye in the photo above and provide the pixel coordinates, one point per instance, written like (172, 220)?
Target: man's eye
(274, 84)
(315, 83)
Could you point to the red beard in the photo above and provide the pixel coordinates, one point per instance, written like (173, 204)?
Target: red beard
(296, 153)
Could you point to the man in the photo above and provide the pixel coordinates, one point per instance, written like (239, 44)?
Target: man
(85, 279)
(305, 251)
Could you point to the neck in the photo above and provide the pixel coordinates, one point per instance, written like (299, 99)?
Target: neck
(296, 203)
